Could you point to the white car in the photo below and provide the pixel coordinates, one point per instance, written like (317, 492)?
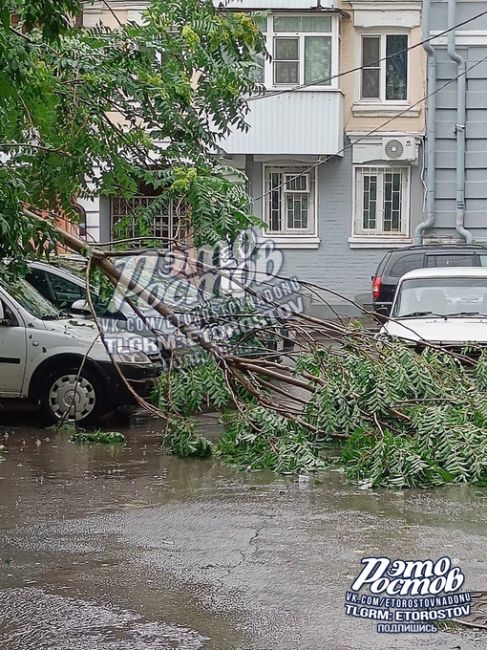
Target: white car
(445, 306)
(195, 305)
(61, 364)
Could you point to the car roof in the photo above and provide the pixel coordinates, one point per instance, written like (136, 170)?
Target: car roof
(439, 249)
(55, 270)
(447, 272)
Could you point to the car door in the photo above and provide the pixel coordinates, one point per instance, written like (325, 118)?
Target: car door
(13, 351)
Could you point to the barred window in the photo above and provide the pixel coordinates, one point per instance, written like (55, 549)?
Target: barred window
(290, 202)
(381, 200)
(167, 224)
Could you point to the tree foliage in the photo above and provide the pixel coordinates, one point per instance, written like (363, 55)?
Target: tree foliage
(401, 419)
(181, 439)
(99, 111)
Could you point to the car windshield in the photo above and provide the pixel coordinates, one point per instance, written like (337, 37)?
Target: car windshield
(450, 297)
(31, 300)
(172, 290)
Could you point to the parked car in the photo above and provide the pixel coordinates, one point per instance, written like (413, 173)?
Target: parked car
(61, 364)
(222, 319)
(445, 306)
(396, 263)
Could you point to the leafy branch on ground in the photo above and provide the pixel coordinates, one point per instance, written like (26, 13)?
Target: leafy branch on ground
(181, 439)
(103, 437)
(394, 417)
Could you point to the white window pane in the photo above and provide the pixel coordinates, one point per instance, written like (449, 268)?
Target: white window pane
(286, 49)
(258, 71)
(274, 201)
(370, 84)
(317, 60)
(286, 73)
(371, 67)
(303, 24)
(316, 24)
(369, 202)
(392, 201)
(370, 51)
(286, 60)
(287, 23)
(297, 182)
(381, 200)
(261, 22)
(290, 206)
(297, 211)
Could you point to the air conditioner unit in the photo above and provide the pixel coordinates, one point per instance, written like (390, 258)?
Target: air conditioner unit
(401, 148)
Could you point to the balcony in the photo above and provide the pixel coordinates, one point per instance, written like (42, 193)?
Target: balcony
(259, 5)
(293, 123)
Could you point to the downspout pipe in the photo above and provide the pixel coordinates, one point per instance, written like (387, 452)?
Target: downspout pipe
(429, 206)
(461, 122)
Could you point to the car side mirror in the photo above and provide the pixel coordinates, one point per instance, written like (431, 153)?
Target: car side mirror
(3, 320)
(382, 315)
(81, 306)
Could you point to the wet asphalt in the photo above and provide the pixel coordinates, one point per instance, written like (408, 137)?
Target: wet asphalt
(125, 548)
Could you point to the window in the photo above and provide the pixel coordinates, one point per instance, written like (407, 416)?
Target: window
(407, 263)
(290, 201)
(65, 292)
(443, 296)
(127, 222)
(9, 318)
(258, 73)
(302, 50)
(384, 68)
(381, 201)
(453, 259)
(60, 291)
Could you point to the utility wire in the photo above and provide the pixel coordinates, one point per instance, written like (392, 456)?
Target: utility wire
(339, 75)
(375, 130)
(357, 69)
(318, 82)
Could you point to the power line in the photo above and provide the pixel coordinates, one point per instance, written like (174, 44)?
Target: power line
(375, 130)
(317, 82)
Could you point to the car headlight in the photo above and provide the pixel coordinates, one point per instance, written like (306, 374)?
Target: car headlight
(130, 355)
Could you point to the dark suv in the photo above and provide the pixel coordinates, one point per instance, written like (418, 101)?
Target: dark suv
(398, 262)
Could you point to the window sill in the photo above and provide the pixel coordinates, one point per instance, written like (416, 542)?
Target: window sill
(381, 109)
(379, 242)
(304, 242)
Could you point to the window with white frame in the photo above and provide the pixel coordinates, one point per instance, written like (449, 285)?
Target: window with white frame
(290, 202)
(384, 74)
(258, 73)
(302, 49)
(381, 201)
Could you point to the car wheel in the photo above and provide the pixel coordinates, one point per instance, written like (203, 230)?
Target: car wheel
(65, 396)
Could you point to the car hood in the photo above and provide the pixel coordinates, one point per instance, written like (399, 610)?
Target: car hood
(86, 331)
(438, 330)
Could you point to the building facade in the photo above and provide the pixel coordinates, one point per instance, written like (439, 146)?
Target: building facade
(335, 150)
(457, 190)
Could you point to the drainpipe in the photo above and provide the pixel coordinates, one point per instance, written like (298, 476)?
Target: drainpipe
(429, 209)
(461, 121)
